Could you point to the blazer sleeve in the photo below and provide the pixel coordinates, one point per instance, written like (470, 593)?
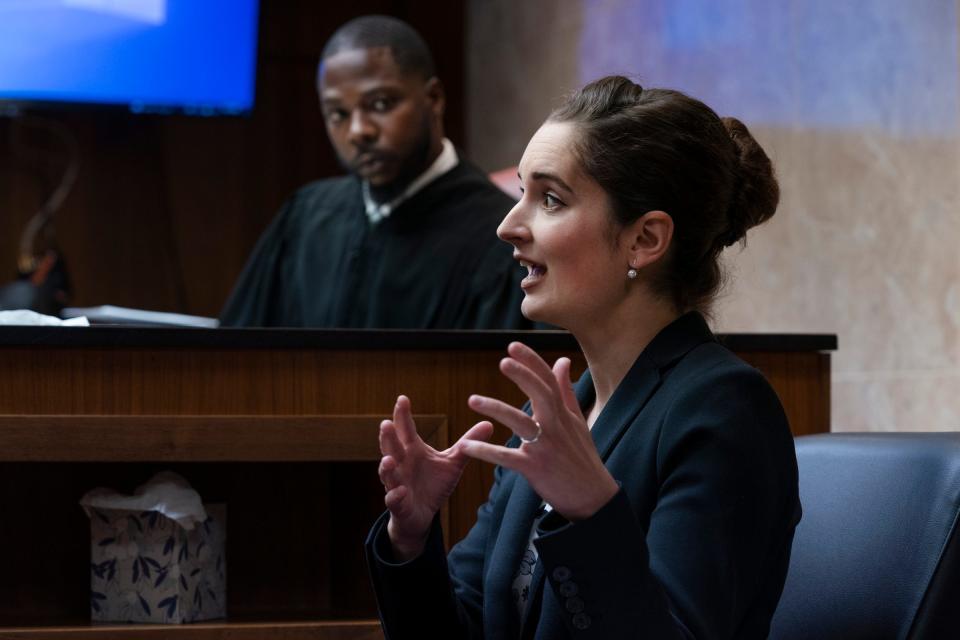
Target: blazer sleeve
(433, 595)
(722, 516)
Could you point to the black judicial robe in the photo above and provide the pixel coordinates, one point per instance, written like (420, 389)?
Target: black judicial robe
(696, 543)
(434, 263)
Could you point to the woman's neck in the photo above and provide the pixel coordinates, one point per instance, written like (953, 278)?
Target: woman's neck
(612, 346)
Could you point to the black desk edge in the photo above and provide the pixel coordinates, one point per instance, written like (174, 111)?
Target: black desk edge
(104, 336)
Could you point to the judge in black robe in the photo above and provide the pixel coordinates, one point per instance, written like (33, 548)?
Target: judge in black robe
(434, 263)
(408, 239)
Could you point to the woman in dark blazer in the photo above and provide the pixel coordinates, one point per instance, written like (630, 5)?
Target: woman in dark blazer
(656, 497)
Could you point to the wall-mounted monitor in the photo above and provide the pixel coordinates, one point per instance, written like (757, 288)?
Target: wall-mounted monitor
(195, 57)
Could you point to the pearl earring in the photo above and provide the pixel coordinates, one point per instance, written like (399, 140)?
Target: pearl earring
(632, 274)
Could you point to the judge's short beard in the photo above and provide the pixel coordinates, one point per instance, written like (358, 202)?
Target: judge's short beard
(411, 168)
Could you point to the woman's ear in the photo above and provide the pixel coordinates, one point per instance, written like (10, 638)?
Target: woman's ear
(648, 238)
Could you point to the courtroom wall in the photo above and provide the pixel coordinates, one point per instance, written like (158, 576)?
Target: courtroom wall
(858, 105)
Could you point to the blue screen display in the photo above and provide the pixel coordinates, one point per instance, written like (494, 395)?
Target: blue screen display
(189, 56)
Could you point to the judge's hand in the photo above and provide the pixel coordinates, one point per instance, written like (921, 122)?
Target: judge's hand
(417, 478)
(563, 465)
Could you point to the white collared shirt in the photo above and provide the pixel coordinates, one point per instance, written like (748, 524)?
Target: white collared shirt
(445, 161)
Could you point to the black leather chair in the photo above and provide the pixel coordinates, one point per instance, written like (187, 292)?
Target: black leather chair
(876, 554)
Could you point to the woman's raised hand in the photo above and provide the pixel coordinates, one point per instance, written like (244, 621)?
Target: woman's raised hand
(562, 465)
(417, 478)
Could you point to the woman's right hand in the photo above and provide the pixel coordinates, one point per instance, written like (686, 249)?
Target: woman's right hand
(417, 478)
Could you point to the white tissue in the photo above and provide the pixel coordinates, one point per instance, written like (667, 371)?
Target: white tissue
(166, 492)
(27, 317)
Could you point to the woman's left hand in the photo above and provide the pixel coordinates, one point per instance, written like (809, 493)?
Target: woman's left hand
(563, 465)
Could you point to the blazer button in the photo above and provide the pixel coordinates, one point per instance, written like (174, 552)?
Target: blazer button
(568, 589)
(574, 605)
(581, 621)
(561, 574)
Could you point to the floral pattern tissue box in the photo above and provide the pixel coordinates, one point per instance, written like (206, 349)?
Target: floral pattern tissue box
(146, 567)
(156, 555)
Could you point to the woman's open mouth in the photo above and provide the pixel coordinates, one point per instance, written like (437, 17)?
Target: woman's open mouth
(535, 273)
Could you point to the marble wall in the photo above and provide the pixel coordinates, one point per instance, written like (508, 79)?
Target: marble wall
(858, 104)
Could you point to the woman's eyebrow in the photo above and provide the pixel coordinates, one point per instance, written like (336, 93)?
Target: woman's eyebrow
(552, 177)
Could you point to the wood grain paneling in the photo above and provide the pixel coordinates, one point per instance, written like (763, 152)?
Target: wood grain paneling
(122, 438)
(294, 382)
(254, 428)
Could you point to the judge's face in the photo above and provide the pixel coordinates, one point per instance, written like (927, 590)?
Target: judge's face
(384, 124)
(562, 231)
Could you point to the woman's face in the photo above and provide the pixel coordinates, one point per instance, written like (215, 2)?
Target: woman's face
(562, 231)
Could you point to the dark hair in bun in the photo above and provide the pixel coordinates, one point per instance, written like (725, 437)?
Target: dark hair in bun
(757, 193)
(658, 149)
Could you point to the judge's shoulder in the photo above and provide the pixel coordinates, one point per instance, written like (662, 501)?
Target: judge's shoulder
(329, 192)
(464, 187)
(469, 193)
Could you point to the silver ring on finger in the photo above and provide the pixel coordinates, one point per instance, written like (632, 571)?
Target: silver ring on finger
(535, 437)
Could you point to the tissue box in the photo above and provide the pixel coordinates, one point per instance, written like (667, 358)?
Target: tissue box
(145, 567)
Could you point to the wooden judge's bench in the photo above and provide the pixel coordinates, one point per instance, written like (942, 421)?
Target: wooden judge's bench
(281, 425)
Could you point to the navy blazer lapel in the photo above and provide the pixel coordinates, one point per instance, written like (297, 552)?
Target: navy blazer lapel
(632, 394)
(642, 380)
